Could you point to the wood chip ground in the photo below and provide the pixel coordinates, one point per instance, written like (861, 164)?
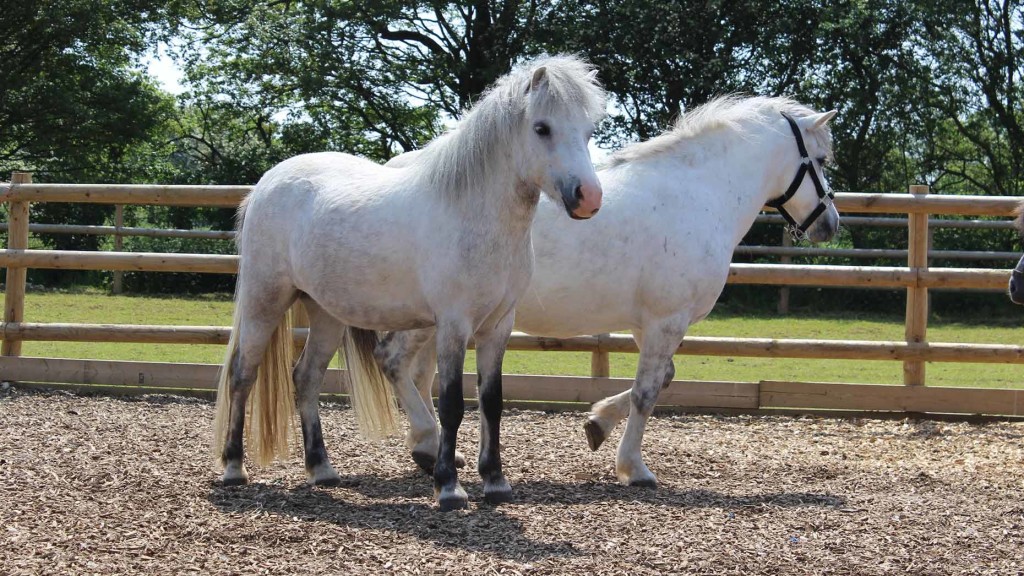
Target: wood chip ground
(99, 485)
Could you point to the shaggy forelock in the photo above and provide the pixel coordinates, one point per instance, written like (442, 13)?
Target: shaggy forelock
(730, 112)
(457, 162)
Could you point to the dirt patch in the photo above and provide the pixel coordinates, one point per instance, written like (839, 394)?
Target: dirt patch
(105, 485)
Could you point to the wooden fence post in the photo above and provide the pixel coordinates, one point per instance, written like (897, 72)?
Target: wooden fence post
(917, 296)
(116, 287)
(17, 239)
(600, 362)
(787, 241)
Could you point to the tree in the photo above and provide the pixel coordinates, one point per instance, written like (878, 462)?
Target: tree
(659, 58)
(374, 78)
(976, 58)
(73, 102)
(73, 105)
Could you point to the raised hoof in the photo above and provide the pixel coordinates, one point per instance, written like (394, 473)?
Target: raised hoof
(645, 483)
(426, 461)
(595, 434)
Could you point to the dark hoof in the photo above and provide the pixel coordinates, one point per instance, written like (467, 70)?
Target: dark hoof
(449, 503)
(460, 460)
(652, 484)
(498, 497)
(235, 481)
(426, 461)
(328, 482)
(595, 434)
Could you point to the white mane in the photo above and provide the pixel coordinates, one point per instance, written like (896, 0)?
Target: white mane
(457, 162)
(726, 112)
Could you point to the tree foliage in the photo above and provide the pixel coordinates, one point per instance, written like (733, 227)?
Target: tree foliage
(929, 91)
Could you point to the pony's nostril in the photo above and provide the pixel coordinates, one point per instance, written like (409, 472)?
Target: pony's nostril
(579, 192)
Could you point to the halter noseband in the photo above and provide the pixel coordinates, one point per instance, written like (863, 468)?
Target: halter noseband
(799, 230)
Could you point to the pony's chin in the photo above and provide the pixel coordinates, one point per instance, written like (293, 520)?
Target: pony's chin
(824, 229)
(575, 216)
(1016, 294)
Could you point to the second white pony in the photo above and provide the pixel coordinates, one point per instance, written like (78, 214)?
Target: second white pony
(657, 257)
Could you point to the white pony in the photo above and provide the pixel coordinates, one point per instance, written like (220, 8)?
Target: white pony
(444, 242)
(657, 258)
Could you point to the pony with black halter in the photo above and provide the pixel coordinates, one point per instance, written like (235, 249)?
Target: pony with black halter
(657, 258)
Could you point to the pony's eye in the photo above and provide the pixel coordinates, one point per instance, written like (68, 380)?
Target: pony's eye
(542, 129)
(821, 161)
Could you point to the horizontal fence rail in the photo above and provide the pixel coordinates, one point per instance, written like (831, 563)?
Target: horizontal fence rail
(231, 196)
(693, 345)
(917, 278)
(770, 274)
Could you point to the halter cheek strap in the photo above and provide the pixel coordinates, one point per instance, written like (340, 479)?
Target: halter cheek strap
(799, 230)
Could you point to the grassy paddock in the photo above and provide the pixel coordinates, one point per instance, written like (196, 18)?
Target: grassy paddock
(90, 306)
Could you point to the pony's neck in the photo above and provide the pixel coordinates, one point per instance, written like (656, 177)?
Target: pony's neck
(762, 180)
(472, 172)
(739, 164)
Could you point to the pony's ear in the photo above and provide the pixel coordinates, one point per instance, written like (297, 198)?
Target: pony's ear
(815, 121)
(539, 80)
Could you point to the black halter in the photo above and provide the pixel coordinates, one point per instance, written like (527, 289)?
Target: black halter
(806, 167)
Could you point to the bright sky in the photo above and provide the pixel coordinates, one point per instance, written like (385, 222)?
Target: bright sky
(162, 67)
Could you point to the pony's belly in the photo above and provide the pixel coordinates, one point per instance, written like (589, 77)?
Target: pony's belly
(375, 309)
(385, 318)
(561, 321)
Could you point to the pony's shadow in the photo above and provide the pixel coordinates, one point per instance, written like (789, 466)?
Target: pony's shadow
(591, 492)
(483, 528)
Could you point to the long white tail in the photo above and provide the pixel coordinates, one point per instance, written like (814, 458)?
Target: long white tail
(270, 414)
(372, 398)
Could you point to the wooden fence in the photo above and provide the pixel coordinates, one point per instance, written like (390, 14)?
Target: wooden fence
(916, 278)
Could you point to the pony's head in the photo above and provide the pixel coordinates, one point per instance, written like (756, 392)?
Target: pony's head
(561, 104)
(806, 200)
(1016, 286)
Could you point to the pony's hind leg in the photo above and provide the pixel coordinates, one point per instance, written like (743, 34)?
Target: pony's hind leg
(606, 414)
(325, 334)
(255, 332)
(490, 351)
(404, 356)
(656, 369)
(423, 369)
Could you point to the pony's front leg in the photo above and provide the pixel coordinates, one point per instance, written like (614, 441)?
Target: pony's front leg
(490, 351)
(655, 371)
(452, 337)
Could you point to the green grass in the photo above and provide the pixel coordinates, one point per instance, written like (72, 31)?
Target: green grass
(97, 307)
